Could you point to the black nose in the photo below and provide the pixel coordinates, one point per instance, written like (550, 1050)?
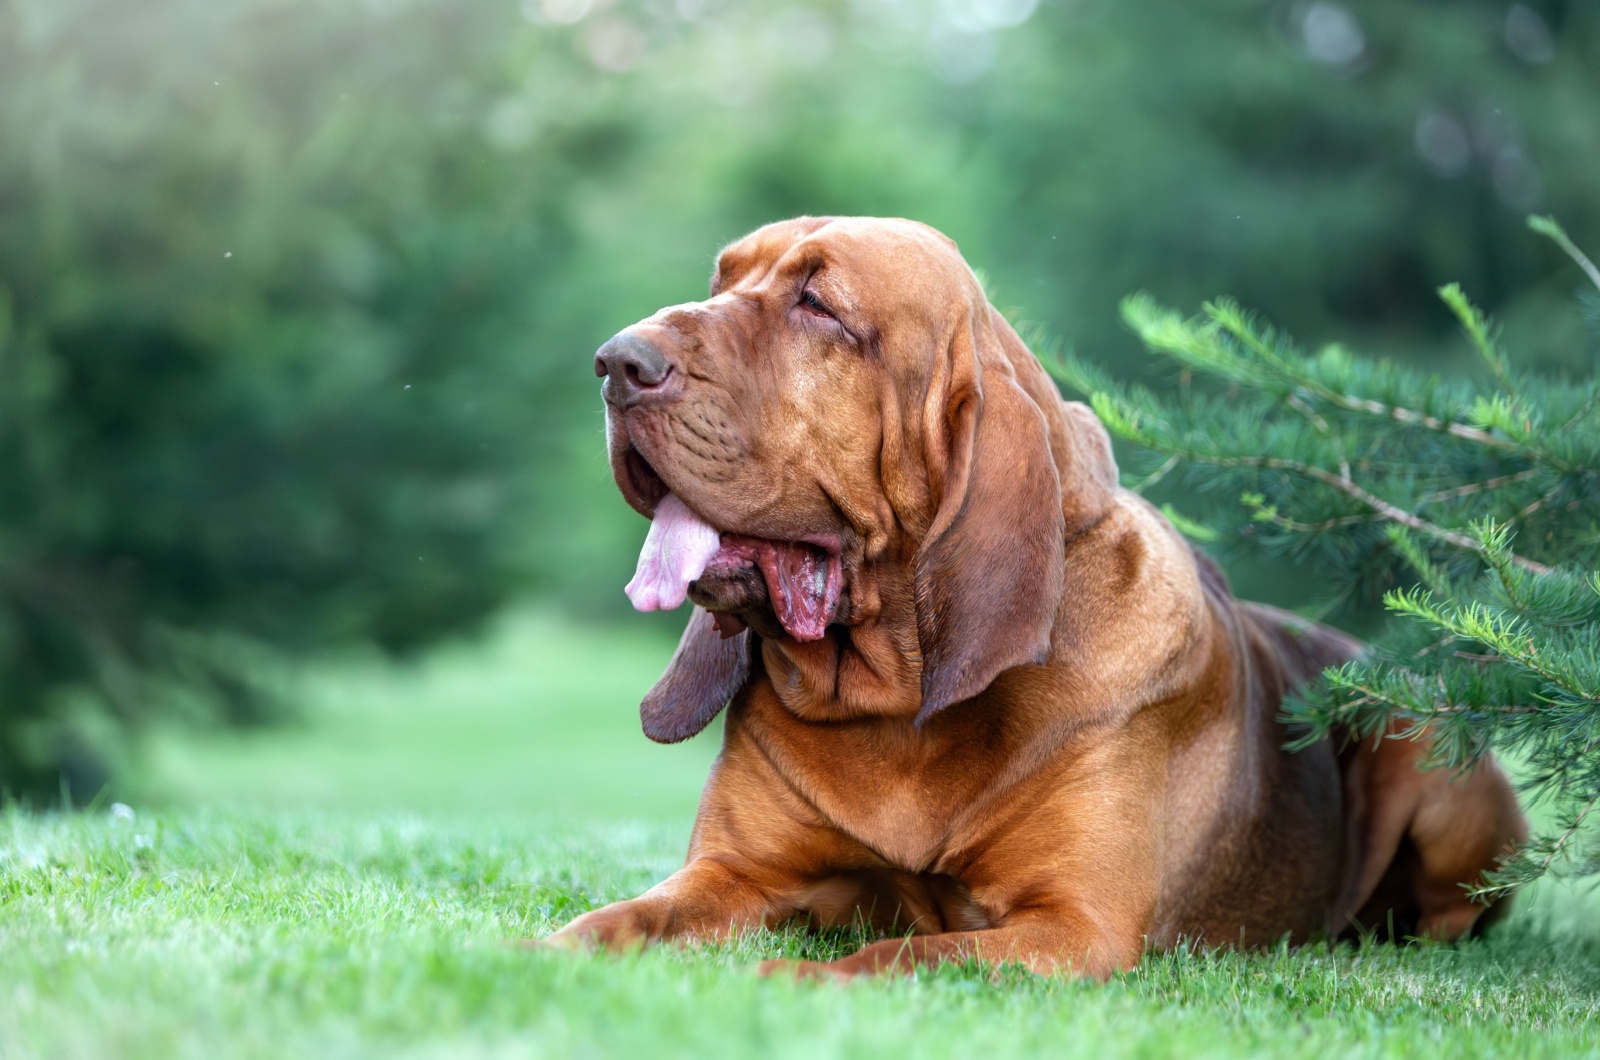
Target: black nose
(633, 370)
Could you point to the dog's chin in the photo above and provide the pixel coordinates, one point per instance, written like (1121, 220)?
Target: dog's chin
(736, 595)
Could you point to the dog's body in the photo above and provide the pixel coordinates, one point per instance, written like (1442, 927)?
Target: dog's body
(1030, 723)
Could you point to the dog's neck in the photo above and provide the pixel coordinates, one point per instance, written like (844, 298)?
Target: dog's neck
(871, 668)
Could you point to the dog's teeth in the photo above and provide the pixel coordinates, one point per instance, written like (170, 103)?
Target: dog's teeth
(822, 578)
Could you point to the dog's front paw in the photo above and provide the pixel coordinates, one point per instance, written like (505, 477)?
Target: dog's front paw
(619, 926)
(810, 971)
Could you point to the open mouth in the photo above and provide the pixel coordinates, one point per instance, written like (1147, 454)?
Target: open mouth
(803, 580)
(641, 487)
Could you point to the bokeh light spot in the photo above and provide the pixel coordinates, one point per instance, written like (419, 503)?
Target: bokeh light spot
(1442, 142)
(1527, 35)
(1331, 35)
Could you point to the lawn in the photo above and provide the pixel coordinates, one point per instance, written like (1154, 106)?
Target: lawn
(352, 886)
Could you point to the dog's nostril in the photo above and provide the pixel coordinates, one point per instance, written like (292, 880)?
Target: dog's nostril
(633, 366)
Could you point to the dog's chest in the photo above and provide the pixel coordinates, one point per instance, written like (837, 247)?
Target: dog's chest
(898, 797)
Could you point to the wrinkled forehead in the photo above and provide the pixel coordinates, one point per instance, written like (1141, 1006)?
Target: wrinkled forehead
(883, 255)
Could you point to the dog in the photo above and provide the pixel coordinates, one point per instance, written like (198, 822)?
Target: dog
(979, 697)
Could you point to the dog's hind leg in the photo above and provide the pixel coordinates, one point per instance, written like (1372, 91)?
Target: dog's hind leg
(1462, 827)
(1420, 837)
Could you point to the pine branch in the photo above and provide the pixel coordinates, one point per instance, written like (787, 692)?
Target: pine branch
(1155, 476)
(1413, 418)
(1480, 623)
(1519, 869)
(1258, 362)
(1479, 331)
(1500, 651)
(1537, 503)
(1478, 487)
(1271, 515)
(1350, 489)
(1171, 335)
(1371, 695)
(1548, 226)
(1571, 830)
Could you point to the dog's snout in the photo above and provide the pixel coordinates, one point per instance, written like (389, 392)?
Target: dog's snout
(633, 370)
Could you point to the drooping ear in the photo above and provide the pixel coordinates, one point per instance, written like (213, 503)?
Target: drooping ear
(989, 572)
(703, 675)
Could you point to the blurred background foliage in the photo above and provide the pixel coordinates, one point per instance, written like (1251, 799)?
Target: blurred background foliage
(298, 297)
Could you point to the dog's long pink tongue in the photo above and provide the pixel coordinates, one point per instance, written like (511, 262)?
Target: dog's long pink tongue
(676, 552)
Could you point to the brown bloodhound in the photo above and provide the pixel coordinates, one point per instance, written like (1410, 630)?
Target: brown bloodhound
(979, 696)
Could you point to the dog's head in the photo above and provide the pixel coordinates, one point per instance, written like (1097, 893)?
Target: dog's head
(845, 436)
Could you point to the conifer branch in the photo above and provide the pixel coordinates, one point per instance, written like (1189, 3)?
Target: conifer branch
(1549, 226)
(1270, 515)
(1478, 487)
(1506, 635)
(1557, 844)
(1537, 503)
(1371, 696)
(1413, 418)
(1157, 475)
(1478, 329)
(1299, 405)
(1350, 489)
(1501, 654)
(1196, 346)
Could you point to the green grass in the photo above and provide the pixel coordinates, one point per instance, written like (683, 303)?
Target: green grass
(539, 718)
(354, 886)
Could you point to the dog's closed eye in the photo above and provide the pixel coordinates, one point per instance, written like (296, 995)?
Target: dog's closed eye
(814, 305)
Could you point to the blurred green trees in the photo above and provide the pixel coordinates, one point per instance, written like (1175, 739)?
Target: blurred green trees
(297, 297)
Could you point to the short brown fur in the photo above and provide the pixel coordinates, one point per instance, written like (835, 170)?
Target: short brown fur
(1040, 728)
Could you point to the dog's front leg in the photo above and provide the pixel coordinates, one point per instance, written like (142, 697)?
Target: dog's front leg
(1046, 941)
(706, 898)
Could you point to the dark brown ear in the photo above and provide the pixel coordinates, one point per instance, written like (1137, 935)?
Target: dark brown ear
(703, 675)
(989, 573)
